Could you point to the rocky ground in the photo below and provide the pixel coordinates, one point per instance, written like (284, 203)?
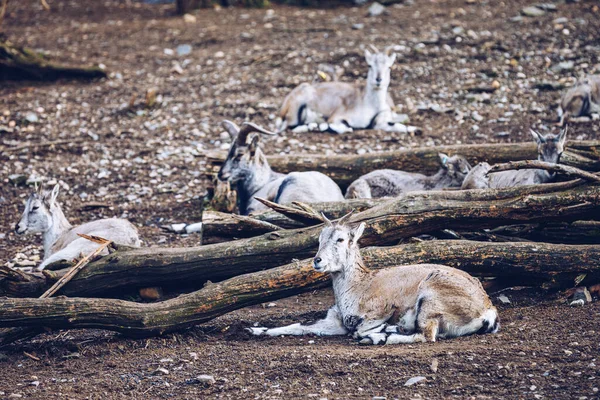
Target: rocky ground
(468, 71)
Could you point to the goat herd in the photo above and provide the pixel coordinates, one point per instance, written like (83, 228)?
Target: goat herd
(405, 304)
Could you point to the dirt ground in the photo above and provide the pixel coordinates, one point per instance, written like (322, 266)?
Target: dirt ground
(146, 165)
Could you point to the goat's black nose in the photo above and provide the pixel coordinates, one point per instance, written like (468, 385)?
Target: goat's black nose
(378, 79)
(318, 259)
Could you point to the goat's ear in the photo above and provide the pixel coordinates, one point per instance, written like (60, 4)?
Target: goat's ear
(253, 145)
(562, 136)
(537, 137)
(368, 56)
(357, 232)
(54, 195)
(443, 159)
(391, 59)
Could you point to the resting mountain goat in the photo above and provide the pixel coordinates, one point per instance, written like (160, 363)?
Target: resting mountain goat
(580, 100)
(44, 215)
(247, 167)
(550, 147)
(388, 182)
(341, 107)
(405, 304)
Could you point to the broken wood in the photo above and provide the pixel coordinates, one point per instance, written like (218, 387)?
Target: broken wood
(344, 169)
(410, 215)
(534, 261)
(535, 164)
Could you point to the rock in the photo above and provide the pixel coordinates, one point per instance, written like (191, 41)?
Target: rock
(168, 52)
(184, 49)
(177, 69)
(547, 7)
(503, 299)
(189, 18)
(206, 380)
(561, 20)
(15, 396)
(533, 11)
(563, 66)
(161, 371)
(414, 380)
(358, 27)
(35, 383)
(476, 116)
(434, 365)
(549, 86)
(31, 117)
(376, 9)
(379, 398)
(219, 54)
(17, 179)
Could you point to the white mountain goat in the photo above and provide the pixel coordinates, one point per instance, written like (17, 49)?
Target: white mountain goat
(44, 215)
(388, 182)
(581, 100)
(341, 107)
(247, 167)
(404, 304)
(550, 147)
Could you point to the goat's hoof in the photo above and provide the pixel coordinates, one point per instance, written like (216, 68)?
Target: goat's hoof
(392, 329)
(257, 331)
(365, 341)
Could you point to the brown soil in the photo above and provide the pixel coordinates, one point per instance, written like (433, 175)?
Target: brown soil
(146, 165)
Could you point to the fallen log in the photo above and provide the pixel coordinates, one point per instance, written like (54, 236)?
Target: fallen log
(577, 232)
(406, 216)
(529, 260)
(344, 169)
(535, 164)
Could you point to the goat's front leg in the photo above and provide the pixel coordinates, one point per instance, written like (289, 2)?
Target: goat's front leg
(378, 332)
(329, 326)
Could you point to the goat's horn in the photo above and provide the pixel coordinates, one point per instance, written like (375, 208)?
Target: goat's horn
(247, 128)
(375, 49)
(388, 50)
(345, 218)
(231, 128)
(326, 220)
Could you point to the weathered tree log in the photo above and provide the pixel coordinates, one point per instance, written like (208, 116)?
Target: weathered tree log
(21, 63)
(344, 169)
(577, 232)
(551, 167)
(410, 215)
(500, 259)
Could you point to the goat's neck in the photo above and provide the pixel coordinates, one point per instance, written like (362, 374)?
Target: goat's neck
(256, 176)
(543, 176)
(352, 276)
(375, 97)
(58, 227)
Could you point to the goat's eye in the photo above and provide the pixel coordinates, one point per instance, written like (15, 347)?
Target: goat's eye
(34, 208)
(340, 240)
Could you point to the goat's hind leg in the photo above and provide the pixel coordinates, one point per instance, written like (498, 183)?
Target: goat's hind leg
(389, 334)
(331, 325)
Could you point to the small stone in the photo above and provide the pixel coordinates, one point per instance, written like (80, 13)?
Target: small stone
(15, 396)
(434, 365)
(161, 371)
(376, 9)
(358, 27)
(563, 66)
(35, 383)
(561, 20)
(271, 305)
(414, 380)
(476, 116)
(31, 117)
(379, 398)
(168, 52)
(184, 49)
(533, 12)
(547, 7)
(503, 299)
(549, 86)
(206, 379)
(189, 18)
(219, 54)
(177, 69)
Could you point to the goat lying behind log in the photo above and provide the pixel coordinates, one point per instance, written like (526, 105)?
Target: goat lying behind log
(405, 304)
(44, 215)
(550, 147)
(391, 183)
(247, 167)
(581, 100)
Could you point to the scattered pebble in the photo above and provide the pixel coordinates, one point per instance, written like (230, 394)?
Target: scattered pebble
(414, 380)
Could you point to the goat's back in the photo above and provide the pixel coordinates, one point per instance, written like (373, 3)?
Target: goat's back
(119, 231)
(308, 187)
(389, 183)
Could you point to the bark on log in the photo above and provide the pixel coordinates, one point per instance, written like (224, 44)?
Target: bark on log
(411, 215)
(499, 259)
(21, 63)
(344, 169)
(578, 232)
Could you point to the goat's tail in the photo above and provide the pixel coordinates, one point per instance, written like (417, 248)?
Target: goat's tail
(491, 322)
(359, 189)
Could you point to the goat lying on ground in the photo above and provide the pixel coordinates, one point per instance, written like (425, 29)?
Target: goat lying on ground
(247, 167)
(581, 100)
(387, 182)
(405, 304)
(44, 215)
(341, 107)
(550, 148)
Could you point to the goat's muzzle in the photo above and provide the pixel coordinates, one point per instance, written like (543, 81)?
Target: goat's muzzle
(316, 264)
(18, 230)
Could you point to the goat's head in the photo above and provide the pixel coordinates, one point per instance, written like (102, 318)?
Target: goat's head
(244, 152)
(575, 103)
(457, 167)
(477, 178)
(338, 245)
(380, 64)
(37, 216)
(550, 146)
